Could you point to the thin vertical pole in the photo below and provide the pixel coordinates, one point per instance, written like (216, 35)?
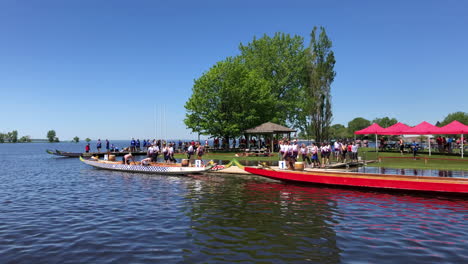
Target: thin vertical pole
(376, 147)
(429, 142)
(462, 145)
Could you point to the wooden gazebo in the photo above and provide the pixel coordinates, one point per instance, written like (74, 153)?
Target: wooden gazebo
(270, 129)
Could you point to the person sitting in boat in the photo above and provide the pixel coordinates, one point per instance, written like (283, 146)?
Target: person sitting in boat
(128, 157)
(87, 148)
(145, 162)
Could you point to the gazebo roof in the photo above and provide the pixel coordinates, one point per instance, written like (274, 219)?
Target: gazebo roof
(269, 128)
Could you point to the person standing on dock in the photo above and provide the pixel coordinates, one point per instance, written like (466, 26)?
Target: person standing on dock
(107, 145)
(99, 145)
(305, 154)
(200, 151)
(190, 151)
(87, 148)
(354, 151)
(138, 145)
(133, 145)
(414, 147)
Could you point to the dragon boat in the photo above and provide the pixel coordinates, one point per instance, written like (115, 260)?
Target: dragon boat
(430, 184)
(90, 154)
(154, 168)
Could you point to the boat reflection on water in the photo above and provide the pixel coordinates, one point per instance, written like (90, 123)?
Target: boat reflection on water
(242, 219)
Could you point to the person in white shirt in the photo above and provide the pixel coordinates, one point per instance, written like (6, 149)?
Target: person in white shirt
(315, 159)
(354, 151)
(190, 151)
(305, 154)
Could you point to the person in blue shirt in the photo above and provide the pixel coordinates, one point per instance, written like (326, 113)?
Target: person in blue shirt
(107, 145)
(138, 144)
(414, 147)
(133, 145)
(99, 145)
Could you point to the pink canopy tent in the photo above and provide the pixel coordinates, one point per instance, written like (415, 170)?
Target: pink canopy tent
(396, 129)
(455, 128)
(424, 128)
(372, 129)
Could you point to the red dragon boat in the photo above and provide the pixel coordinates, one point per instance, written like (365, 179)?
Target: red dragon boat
(367, 180)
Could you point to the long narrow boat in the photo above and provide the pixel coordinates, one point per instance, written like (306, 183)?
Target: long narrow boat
(155, 168)
(100, 154)
(368, 180)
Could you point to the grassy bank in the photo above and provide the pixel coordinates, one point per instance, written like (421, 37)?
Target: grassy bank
(423, 161)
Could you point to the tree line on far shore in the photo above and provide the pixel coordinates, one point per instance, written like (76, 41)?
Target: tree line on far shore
(340, 131)
(12, 137)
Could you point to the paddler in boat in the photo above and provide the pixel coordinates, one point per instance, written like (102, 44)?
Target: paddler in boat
(128, 157)
(145, 162)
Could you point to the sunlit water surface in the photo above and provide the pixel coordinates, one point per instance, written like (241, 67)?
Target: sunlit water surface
(58, 210)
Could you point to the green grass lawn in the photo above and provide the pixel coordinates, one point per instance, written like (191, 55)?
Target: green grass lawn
(435, 161)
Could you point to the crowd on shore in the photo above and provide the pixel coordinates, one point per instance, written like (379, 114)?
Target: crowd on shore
(317, 155)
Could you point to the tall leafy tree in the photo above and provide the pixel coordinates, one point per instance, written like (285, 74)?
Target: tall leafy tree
(338, 131)
(320, 75)
(76, 139)
(279, 60)
(51, 135)
(228, 99)
(2, 138)
(357, 123)
(461, 117)
(13, 136)
(385, 121)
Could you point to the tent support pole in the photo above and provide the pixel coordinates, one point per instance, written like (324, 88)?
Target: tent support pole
(429, 142)
(376, 147)
(461, 139)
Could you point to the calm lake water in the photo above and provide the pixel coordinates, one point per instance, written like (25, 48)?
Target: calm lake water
(58, 210)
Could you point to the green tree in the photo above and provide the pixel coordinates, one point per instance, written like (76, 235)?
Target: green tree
(356, 124)
(228, 99)
(461, 117)
(2, 138)
(14, 136)
(88, 140)
(320, 75)
(385, 121)
(338, 131)
(76, 139)
(280, 61)
(51, 135)
(25, 139)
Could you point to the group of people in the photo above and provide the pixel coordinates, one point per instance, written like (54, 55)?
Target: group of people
(167, 151)
(317, 155)
(99, 146)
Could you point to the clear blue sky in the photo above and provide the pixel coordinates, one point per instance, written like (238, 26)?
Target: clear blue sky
(102, 69)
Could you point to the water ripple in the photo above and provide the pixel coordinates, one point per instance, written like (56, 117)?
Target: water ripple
(57, 210)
